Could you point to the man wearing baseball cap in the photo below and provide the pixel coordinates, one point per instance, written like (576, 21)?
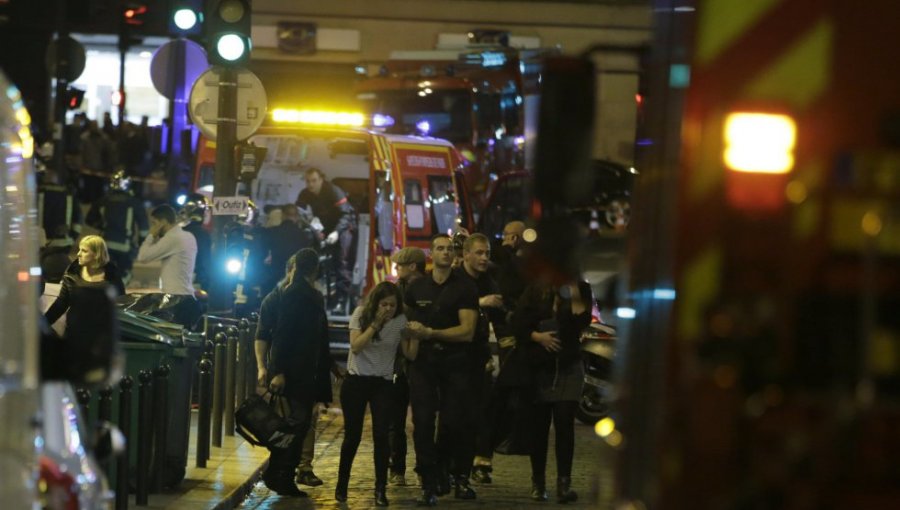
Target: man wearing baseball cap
(410, 262)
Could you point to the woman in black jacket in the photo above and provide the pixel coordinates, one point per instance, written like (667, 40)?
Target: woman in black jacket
(548, 323)
(88, 286)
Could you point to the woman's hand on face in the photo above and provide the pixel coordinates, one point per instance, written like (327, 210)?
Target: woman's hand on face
(547, 340)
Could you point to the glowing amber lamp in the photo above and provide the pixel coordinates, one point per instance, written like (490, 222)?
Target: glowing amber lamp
(318, 117)
(759, 142)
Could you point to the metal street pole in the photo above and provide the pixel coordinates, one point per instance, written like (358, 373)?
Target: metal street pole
(224, 181)
(62, 84)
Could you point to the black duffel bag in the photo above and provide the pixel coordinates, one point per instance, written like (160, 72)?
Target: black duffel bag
(260, 419)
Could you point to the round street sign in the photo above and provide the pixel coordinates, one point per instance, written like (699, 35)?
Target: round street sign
(163, 70)
(72, 52)
(251, 103)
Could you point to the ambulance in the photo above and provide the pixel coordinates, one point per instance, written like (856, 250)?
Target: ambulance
(404, 189)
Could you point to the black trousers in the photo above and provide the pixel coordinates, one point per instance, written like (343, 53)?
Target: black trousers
(399, 410)
(284, 461)
(485, 415)
(563, 416)
(356, 392)
(440, 382)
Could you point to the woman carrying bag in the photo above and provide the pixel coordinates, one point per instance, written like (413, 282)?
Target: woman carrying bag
(377, 330)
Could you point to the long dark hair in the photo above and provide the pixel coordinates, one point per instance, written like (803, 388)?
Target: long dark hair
(381, 291)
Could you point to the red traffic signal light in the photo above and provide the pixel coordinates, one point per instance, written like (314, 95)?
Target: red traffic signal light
(74, 97)
(134, 14)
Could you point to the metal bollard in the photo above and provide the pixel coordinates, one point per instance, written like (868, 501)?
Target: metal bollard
(230, 376)
(250, 364)
(218, 407)
(203, 420)
(84, 401)
(160, 426)
(104, 403)
(125, 386)
(241, 369)
(145, 437)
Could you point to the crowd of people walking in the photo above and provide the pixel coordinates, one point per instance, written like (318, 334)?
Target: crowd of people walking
(423, 344)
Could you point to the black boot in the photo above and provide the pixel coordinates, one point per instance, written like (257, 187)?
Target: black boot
(564, 492)
(340, 490)
(428, 497)
(381, 495)
(462, 490)
(282, 483)
(538, 489)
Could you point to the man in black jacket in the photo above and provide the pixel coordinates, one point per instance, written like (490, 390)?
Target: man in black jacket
(330, 204)
(293, 331)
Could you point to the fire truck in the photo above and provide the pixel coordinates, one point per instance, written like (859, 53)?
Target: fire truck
(761, 358)
(404, 189)
(482, 97)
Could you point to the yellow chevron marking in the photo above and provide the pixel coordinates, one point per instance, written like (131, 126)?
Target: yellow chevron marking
(802, 73)
(722, 21)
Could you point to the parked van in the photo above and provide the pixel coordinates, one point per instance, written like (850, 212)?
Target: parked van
(405, 189)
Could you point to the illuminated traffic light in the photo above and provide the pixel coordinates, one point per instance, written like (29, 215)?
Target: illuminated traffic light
(185, 17)
(74, 97)
(134, 14)
(228, 31)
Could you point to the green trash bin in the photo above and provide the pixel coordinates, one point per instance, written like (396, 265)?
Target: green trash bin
(147, 344)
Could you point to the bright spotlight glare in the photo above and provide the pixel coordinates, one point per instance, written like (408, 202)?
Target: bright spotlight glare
(181, 199)
(233, 266)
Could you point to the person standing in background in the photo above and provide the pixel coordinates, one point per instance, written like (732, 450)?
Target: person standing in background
(177, 250)
(330, 204)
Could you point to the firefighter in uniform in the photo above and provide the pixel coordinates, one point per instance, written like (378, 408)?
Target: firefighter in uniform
(60, 217)
(119, 216)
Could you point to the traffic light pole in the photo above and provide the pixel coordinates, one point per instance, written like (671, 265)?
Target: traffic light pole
(62, 84)
(224, 181)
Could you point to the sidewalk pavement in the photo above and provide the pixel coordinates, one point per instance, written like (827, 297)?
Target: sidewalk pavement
(231, 478)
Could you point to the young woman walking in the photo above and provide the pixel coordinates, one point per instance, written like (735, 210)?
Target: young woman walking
(377, 329)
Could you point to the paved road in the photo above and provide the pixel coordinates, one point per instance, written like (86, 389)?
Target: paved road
(592, 477)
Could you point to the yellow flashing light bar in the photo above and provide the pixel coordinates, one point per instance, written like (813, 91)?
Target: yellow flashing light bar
(318, 117)
(759, 142)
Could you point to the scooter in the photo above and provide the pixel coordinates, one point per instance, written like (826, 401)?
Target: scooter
(598, 348)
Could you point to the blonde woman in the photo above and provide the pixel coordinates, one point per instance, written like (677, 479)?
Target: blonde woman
(91, 269)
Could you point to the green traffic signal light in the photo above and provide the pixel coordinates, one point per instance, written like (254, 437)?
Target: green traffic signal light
(228, 31)
(185, 19)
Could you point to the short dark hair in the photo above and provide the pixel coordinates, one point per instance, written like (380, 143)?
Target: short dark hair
(440, 236)
(164, 212)
(306, 261)
(314, 170)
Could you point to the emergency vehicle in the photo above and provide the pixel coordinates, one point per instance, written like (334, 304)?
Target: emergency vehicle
(761, 359)
(405, 189)
(482, 97)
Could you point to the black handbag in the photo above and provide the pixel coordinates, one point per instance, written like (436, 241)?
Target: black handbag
(260, 419)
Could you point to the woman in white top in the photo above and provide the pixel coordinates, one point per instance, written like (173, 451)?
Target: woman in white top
(377, 330)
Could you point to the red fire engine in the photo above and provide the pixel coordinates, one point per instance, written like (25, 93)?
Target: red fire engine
(762, 361)
(483, 98)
